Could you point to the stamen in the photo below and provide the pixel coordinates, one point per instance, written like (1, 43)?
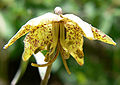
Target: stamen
(50, 62)
(65, 63)
(66, 66)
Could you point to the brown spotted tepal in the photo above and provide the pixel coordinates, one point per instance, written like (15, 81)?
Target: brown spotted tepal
(55, 30)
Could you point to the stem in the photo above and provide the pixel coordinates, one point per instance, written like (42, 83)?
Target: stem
(20, 72)
(47, 75)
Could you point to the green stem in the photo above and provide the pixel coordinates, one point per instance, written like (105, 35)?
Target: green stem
(47, 75)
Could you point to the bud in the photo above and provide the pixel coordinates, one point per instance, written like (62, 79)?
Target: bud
(58, 10)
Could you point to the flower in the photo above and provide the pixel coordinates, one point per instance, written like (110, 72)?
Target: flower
(64, 32)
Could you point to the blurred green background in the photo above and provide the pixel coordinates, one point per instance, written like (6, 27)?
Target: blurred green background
(102, 61)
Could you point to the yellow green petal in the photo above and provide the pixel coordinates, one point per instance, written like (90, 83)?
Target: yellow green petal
(85, 27)
(70, 35)
(24, 29)
(99, 35)
(71, 40)
(78, 58)
(30, 25)
(64, 54)
(78, 55)
(42, 36)
(28, 51)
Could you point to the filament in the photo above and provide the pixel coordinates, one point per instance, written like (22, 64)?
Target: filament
(50, 62)
(64, 62)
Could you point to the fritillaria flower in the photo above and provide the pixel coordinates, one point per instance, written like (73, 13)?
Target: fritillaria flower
(55, 32)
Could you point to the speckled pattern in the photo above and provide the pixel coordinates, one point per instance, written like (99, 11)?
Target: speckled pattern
(73, 42)
(99, 35)
(40, 37)
(45, 34)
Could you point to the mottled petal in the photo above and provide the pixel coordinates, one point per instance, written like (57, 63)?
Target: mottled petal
(24, 29)
(86, 28)
(99, 35)
(78, 55)
(78, 58)
(43, 33)
(64, 54)
(29, 26)
(44, 36)
(71, 40)
(28, 51)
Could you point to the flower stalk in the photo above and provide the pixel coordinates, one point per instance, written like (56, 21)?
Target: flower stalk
(47, 75)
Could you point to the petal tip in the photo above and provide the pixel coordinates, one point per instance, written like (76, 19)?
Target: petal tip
(114, 43)
(5, 47)
(81, 63)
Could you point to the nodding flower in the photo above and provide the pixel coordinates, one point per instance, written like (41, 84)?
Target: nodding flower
(56, 33)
